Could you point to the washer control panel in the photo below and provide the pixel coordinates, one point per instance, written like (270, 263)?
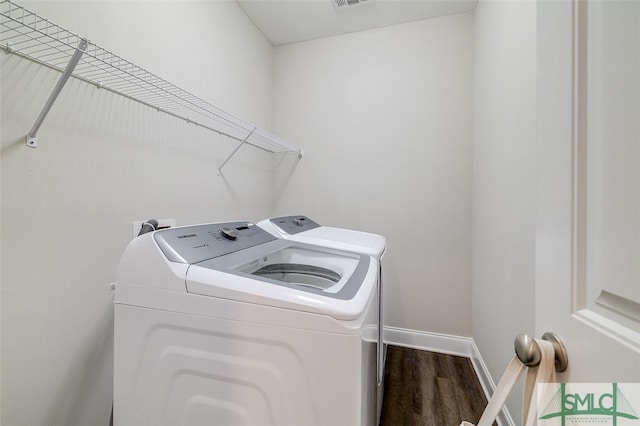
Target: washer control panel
(294, 224)
(192, 244)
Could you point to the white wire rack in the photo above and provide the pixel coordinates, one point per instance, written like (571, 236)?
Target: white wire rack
(29, 35)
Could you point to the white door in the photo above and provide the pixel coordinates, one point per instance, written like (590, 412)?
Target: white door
(588, 219)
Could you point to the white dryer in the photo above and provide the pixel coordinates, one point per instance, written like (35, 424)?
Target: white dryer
(302, 229)
(226, 324)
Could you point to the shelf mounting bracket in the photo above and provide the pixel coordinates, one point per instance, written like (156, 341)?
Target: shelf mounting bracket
(32, 141)
(235, 150)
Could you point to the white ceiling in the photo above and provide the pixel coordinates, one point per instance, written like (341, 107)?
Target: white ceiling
(290, 21)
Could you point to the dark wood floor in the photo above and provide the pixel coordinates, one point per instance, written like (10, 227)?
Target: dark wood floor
(429, 389)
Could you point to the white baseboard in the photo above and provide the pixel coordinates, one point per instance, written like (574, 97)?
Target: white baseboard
(435, 342)
(488, 385)
(451, 345)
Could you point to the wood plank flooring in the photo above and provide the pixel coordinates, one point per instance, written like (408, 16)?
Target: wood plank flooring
(430, 389)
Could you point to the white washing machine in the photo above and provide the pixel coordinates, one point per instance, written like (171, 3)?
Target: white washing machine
(302, 229)
(226, 324)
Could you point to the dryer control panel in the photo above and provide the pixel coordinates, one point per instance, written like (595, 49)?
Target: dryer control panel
(294, 224)
(192, 244)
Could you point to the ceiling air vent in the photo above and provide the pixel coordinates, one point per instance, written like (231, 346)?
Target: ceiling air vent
(344, 3)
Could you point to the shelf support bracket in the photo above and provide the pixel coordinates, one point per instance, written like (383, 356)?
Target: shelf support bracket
(235, 150)
(32, 141)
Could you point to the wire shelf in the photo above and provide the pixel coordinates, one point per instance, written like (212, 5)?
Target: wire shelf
(27, 34)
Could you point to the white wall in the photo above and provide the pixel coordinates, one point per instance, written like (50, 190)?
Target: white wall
(384, 117)
(504, 180)
(1, 273)
(104, 162)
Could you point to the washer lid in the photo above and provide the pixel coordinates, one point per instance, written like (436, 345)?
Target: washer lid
(294, 266)
(290, 275)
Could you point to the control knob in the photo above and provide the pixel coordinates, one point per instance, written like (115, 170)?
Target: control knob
(229, 233)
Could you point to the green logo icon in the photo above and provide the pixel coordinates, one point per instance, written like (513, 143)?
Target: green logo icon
(591, 406)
